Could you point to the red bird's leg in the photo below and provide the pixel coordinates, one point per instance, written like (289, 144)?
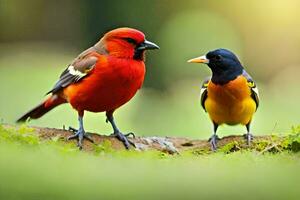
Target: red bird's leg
(117, 133)
(80, 134)
(214, 138)
(248, 136)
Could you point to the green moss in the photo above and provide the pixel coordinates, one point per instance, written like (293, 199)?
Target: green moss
(25, 136)
(104, 147)
(292, 141)
(22, 135)
(261, 145)
(197, 152)
(230, 147)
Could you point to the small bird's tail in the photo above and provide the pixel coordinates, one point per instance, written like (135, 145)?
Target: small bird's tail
(42, 108)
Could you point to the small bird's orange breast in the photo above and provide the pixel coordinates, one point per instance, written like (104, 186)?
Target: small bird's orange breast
(230, 103)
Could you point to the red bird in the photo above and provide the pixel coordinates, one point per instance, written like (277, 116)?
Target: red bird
(101, 79)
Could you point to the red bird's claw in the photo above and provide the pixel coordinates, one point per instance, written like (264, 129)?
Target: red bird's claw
(130, 134)
(132, 143)
(124, 139)
(72, 129)
(80, 135)
(89, 138)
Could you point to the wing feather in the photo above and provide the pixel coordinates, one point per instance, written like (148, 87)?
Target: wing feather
(79, 69)
(253, 87)
(203, 92)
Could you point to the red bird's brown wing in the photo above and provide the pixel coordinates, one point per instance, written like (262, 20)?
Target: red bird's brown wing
(76, 71)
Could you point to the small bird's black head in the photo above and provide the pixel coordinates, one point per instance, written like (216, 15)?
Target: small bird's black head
(225, 66)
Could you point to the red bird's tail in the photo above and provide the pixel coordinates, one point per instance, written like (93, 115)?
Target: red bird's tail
(43, 108)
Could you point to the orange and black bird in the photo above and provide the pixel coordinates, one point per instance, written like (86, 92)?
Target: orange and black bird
(230, 95)
(100, 79)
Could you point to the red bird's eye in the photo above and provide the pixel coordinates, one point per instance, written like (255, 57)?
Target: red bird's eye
(130, 40)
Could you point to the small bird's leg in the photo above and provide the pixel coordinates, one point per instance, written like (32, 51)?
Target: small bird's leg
(248, 136)
(117, 133)
(214, 138)
(80, 133)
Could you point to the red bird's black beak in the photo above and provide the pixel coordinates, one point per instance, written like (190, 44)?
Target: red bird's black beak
(147, 45)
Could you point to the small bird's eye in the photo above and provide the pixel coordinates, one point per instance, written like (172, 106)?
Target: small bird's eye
(218, 57)
(130, 40)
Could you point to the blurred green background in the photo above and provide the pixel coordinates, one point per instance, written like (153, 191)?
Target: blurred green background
(39, 38)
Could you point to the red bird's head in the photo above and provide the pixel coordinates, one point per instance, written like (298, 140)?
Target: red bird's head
(126, 43)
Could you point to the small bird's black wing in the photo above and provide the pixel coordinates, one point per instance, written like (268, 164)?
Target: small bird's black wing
(253, 87)
(203, 92)
(76, 71)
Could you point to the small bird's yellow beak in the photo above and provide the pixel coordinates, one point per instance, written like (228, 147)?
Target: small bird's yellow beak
(201, 59)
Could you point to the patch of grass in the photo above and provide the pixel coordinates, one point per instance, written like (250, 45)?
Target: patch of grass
(34, 169)
(23, 135)
(230, 147)
(292, 142)
(26, 137)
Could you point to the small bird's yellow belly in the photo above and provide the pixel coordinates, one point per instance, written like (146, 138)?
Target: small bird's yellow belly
(230, 103)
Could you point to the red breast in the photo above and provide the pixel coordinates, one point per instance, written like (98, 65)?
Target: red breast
(112, 83)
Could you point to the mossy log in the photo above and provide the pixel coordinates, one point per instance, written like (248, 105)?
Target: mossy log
(171, 145)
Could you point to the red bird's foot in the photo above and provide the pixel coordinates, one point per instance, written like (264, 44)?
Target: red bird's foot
(249, 138)
(130, 134)
(123, 138)
(80, 135)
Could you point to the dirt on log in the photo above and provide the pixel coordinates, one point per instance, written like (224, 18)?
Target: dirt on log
(170, 145)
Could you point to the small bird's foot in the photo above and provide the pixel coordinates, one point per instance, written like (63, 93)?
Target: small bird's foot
(213, 142)
(123, 138)
(80, 135)
(249, 138)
